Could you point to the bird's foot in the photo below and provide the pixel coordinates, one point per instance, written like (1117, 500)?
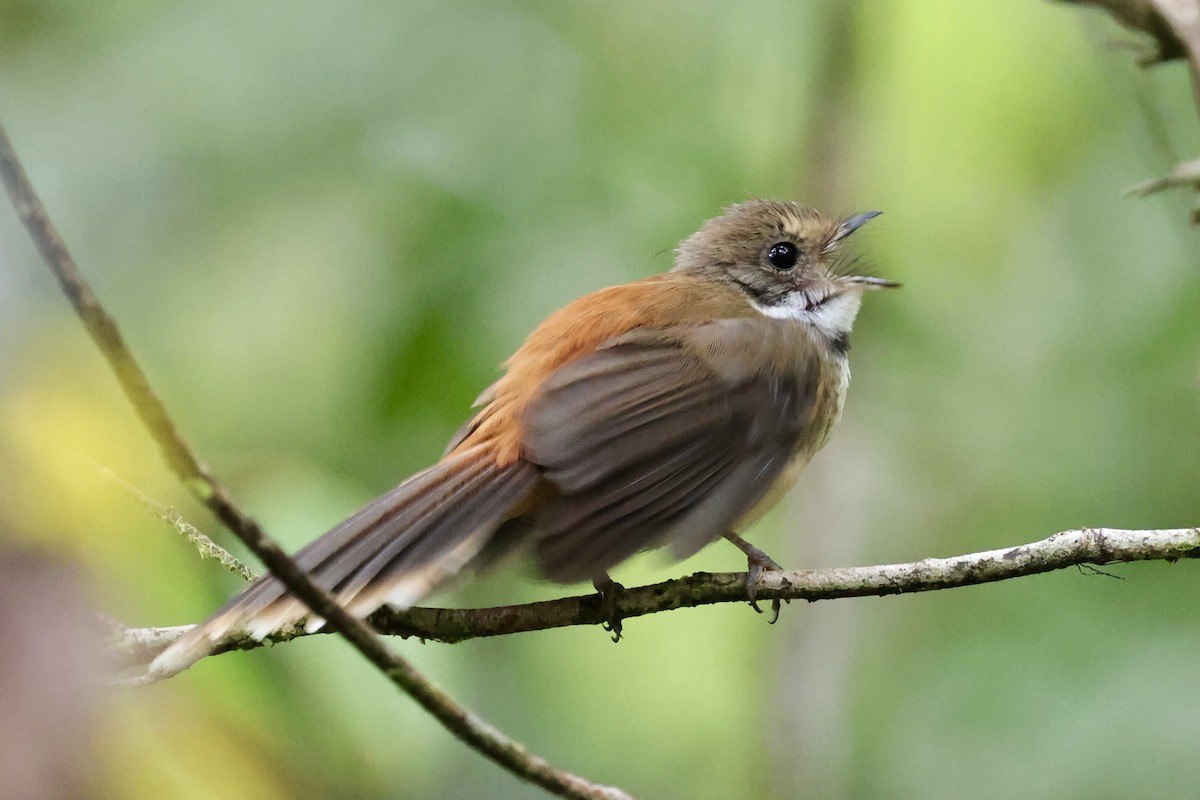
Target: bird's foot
(757, 562)
(609, 590)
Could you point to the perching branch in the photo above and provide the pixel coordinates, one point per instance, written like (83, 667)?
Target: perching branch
(195, 475)
(1088, 546)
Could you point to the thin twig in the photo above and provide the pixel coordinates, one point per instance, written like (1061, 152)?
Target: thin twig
(1185, 174)
(205, 546)
(1087, 546)
(477, 733)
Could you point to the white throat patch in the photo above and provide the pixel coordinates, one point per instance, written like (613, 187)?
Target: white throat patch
(834, 317)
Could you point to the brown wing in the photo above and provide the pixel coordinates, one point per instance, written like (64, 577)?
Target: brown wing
(664, 437)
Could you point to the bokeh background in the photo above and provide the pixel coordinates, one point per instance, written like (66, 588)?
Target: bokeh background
(322, 226)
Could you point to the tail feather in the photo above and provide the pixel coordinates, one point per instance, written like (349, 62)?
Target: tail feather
(396, 549)
(388, 577)
(401, 551)
(458, 493)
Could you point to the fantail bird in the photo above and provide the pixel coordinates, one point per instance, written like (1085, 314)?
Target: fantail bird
(669, 411)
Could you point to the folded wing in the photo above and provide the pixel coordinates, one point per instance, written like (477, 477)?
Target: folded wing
(664, 437)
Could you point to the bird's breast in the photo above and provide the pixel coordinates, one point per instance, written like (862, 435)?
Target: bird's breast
(822, 418)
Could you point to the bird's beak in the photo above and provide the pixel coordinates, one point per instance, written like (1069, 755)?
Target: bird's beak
(849, 226)
(871, 282)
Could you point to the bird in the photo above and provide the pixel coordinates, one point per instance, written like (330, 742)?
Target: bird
(672, 411)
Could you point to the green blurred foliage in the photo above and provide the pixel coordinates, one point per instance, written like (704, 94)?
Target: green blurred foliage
(322, 226)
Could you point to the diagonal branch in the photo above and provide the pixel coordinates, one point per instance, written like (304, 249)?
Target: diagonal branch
(1084, 547)
(472, 730)
(103, 329)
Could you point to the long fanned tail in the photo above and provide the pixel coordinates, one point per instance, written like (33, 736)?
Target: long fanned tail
(396, 550)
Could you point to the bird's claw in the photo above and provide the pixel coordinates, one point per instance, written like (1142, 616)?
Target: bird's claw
(754, 573)
(609, 590)
(757, 562)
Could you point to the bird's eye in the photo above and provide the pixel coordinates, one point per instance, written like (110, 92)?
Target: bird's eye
(783, 255)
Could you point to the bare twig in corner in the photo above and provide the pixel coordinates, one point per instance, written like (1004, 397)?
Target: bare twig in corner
(472, 730)
(1173, 26)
